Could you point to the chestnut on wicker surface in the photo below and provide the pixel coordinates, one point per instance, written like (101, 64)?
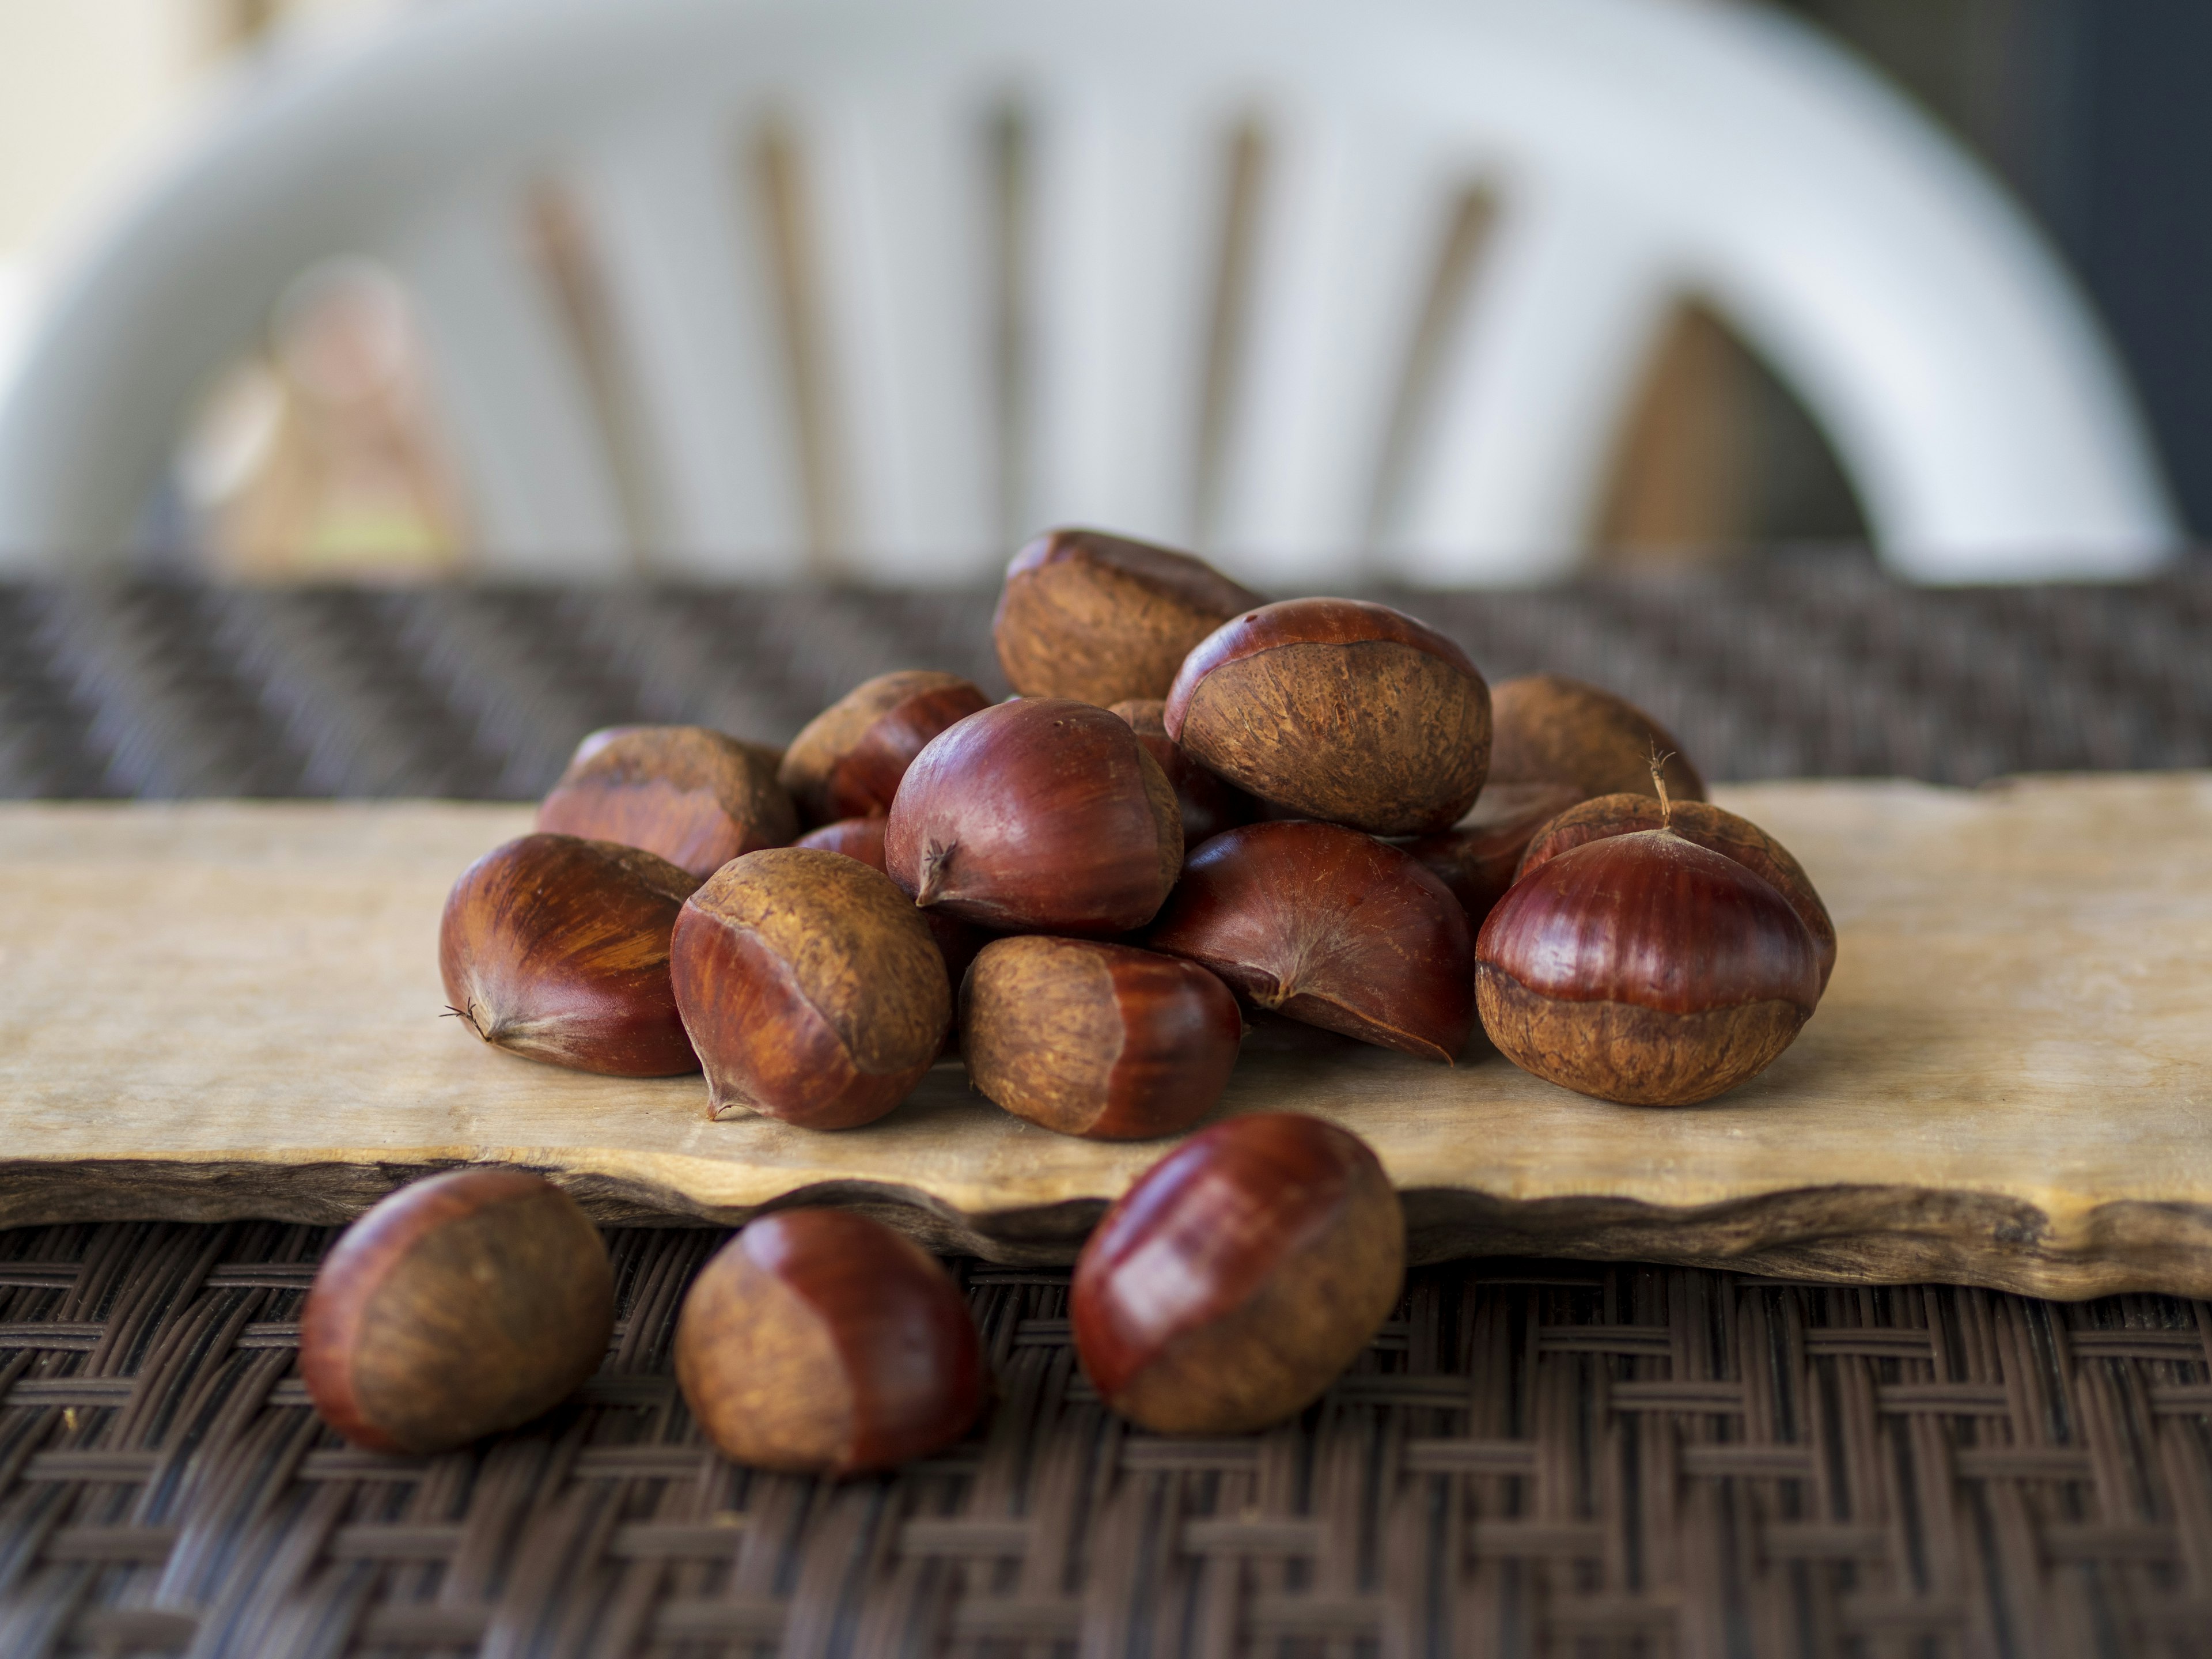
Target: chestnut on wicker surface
(847, 762)
(1546, 728)
(698, 798)
(1239, 1276)
(818, 1341)
(1479, 856)
(461, 1305)
(557, 948)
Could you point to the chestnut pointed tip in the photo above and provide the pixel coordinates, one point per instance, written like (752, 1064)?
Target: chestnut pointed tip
(936, 861)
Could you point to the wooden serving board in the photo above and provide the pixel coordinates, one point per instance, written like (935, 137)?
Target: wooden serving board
(213, 1010)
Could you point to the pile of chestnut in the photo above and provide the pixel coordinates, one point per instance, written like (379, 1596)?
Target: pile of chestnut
(1199, 804)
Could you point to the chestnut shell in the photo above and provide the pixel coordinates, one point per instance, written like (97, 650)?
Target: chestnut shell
(1546, 728)
(698, 798)
(847, 762)
(1479, 856)
(1210, 802)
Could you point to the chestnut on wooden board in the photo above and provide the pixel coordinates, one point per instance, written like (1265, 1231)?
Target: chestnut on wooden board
(810, 988)
(1098, 1040)
(1102, 618)
(556, 948)
(820, 1342)
(1210, 803)
(1546, 728)
(697, 798)
(1338, 709)
(1332, 928)
(847, 762)
(456, 1307)
(1479, 856)
(1239, 1277)
(1646, 970)
(1044, 815)
(863, 839)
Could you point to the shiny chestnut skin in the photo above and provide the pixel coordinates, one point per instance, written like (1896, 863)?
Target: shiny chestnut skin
(697, 798)
(1710, 827)
(556, 948)
(1546, 728)
(1332, 928)
(1479, 856)
(820, 1342)
(1646, 970)
(1102, 618)
(847, 762)
(1042, 814)
(1338, 709)
(1098, 1040)
(1210, 803)
(1239, 1277)
(811, 988)
(457, 1307)
(863, 839)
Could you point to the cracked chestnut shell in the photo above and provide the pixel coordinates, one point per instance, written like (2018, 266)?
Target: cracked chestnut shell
(1646, 970)
(697, 798)
(1479, 856)
(1098, 1040)
(557, 948)
(847, 762)
(1239, 1277)
(1044, 815)
(810, 988)
(1209, 803)
(820, 1342)
(1332, 928)
(1710, 827)
(1546, 728)
(1102, 618)
(456, 1307)
(1338, 709)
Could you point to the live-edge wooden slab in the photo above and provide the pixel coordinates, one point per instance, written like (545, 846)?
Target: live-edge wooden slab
(225, 1009)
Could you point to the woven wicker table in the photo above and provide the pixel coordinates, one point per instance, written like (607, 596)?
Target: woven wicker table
(1532, 1457)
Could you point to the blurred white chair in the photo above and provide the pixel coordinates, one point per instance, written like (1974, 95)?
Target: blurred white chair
(1637, 150)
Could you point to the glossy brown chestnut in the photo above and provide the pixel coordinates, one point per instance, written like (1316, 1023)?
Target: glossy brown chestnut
(1710, 827)
(697, 798)
(1210, 803)
(847, 762)
(556, 948)
(1338, 709)
(820, 1342)
(1332, 928)
(1479, 856)
(1098, 1040)
(1546, 728)
(810, 988)
(1239, 1277)
(1042, 814)
(1101, 618)
(863, 839)
(1645, 969)
(457, 1307)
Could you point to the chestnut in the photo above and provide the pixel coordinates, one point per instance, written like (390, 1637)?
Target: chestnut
(1338, 709)
(1710, 827)
(863, 839)
(811, 988)
(1478, 857)
(820, 1342)
(1546, 728)
(847, 762)
(456, 1307)
(1239, 1276)
(556, 948)
(1042, 814)
(1102, 618)
(1209, 803)
(1332, 928)
(696, 797)
(1098, 1040)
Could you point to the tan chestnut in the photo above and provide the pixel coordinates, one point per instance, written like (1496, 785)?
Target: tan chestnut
(863, 839)
(1338, 709)
(1478, 857)
(1098, 1040)
(809, 987)
(1239, 1277)
(455, 1308)
(697, 798)
(1329, 927)
(1546, 728)
(847, 762)
(556, 948)
(1209, 803)
(1042, 814)
(820, 1342)
(1709, 826)
(1101, 618)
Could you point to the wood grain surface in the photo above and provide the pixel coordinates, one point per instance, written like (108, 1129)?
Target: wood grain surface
(225, 1009)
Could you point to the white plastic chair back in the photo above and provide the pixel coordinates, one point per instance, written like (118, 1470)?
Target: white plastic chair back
(1636, 151)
